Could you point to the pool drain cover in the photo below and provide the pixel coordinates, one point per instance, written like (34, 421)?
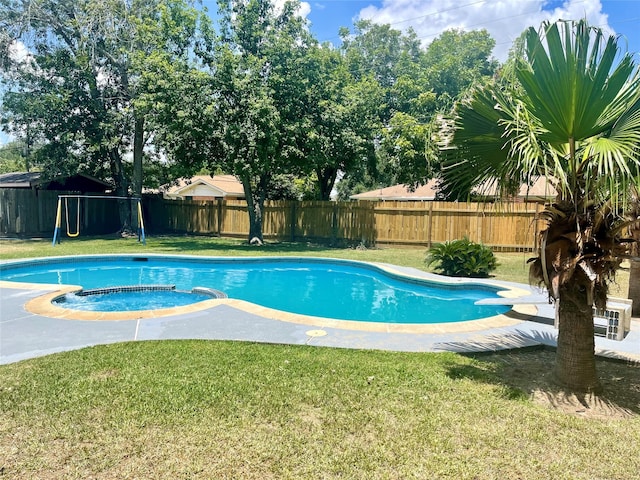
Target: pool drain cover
(316, 333)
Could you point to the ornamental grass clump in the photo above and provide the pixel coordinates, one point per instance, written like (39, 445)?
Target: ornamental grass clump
(462, 258)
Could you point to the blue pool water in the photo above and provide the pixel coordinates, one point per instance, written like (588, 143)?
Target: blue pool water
(127, 301)
(324, 288)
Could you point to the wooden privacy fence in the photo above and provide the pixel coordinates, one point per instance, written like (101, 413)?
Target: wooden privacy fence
(32, 212)
(284, 220)
(502, 226)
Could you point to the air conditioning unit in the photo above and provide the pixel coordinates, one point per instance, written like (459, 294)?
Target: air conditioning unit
(614, 322)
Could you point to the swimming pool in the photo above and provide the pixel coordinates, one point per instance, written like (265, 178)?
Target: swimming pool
(343, 290)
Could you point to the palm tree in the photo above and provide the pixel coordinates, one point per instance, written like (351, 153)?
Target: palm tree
(573, 115)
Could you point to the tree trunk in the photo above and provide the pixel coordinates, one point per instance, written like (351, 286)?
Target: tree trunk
(138, 151)
(138, 147)
(634, 273)
(122, 190)
(575, 366)
(634, 287)
(326, 181)
(255, 207)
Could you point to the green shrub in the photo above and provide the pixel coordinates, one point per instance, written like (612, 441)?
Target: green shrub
(462, 258)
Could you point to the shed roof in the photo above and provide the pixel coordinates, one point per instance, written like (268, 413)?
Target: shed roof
(78, 182)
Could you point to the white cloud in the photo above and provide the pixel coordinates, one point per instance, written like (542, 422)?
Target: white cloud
(21, 58)
(18, 52)
(505, 20)
(303, 10)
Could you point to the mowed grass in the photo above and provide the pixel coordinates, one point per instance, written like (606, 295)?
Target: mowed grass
(202, 409)
(208, 409)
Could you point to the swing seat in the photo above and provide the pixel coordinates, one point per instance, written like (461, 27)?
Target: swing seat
(66, 207)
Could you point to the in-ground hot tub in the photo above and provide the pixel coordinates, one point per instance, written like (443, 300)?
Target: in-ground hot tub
(134, 298)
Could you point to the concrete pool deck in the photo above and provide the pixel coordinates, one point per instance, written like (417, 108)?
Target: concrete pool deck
(25, 334)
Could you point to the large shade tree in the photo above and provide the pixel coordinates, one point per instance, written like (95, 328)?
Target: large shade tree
(341, 119)
(258, 107)
(418, 85)
(391, 59)
(77, 87)
(573, 114)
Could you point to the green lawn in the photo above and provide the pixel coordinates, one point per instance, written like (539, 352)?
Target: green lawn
(204, 409)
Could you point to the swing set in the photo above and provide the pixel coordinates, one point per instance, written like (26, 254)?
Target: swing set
(72, 234)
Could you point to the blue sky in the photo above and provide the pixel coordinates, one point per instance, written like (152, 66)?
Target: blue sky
(504, 19)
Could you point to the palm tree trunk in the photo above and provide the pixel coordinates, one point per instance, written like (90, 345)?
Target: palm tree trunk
(634, 267)
(634, 286)
(575, 365)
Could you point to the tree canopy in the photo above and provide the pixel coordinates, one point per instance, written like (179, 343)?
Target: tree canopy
(111, 88)
(76, 88)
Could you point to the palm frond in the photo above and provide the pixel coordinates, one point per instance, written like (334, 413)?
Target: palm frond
(571, 84)
(477, 148)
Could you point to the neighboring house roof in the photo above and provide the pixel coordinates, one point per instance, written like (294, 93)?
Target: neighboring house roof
(78, 182)
(400, 192)
(541, 189)
(206, 186)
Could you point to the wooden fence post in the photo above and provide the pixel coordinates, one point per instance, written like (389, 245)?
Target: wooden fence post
(219, 219)
(334, 223)
(430, 225)
(293, 220)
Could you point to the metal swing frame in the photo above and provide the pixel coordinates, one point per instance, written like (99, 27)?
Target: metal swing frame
(58, 225)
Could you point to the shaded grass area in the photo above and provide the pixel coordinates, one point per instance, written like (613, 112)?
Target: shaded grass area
(197, 409)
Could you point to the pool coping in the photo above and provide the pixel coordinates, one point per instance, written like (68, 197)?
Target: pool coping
(43, 304)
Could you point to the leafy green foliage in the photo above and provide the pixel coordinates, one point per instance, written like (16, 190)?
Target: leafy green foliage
(341, 119)
(79, 91)
(462, 258)
(418, 86)
(456, 60)
(12, 158)
(250, 119)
